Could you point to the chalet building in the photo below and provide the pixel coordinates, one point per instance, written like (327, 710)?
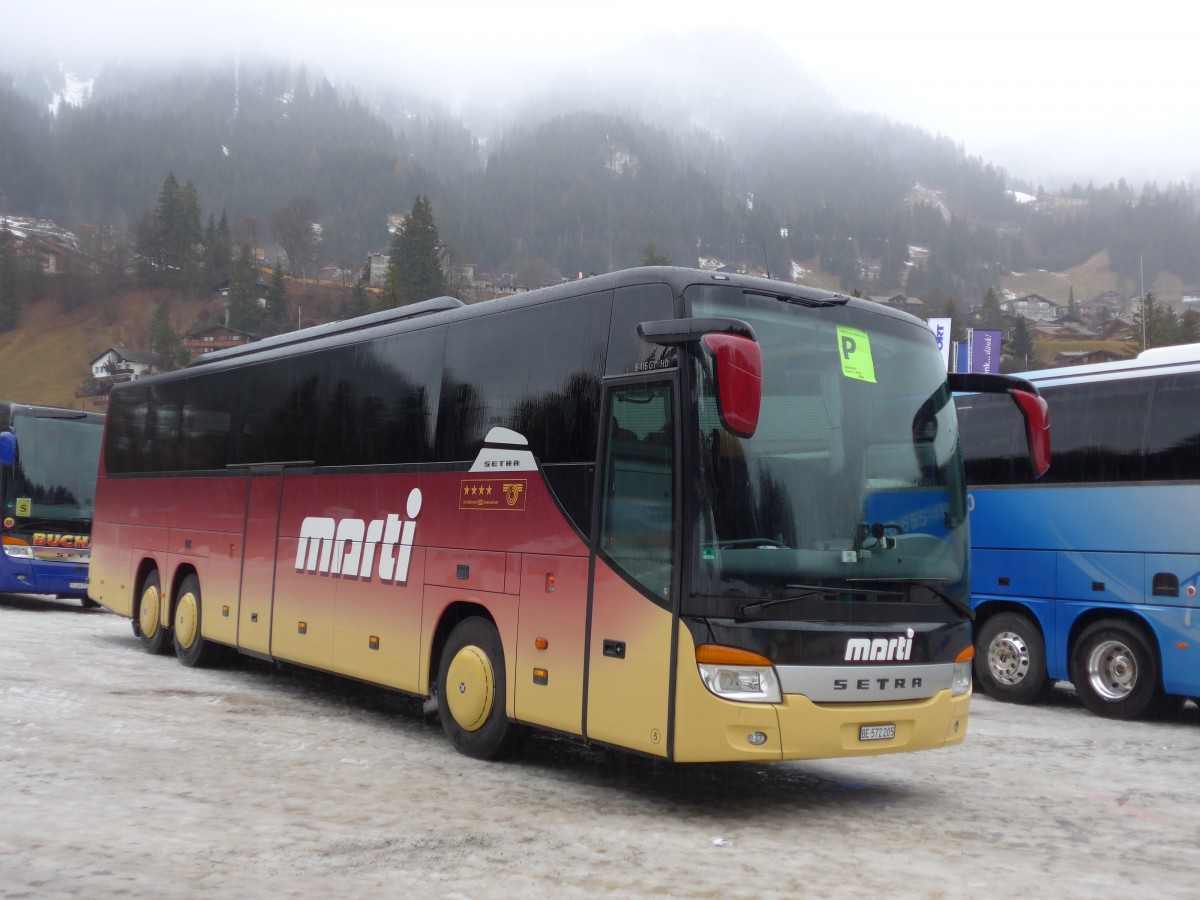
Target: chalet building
(1085, 357)
(906, 304)
(1032, 306)
(122, 364)
(208, 338)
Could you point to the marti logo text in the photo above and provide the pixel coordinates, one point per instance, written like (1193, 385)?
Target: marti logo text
(354, 548)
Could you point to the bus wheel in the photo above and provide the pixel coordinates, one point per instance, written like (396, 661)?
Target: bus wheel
(471, 692)
(1115, 671)
(190, 646)
(1010, 659)
(148, 624)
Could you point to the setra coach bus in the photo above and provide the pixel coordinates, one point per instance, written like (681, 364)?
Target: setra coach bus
(1091, 574)
(48, 460)
(703, 517)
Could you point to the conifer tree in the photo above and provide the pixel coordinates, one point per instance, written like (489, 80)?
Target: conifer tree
(414, 270)
(651, 256)
(244, 314)
(990, 313)
(1021, 346)
(10, 281)
(276, 317)
(164, 340)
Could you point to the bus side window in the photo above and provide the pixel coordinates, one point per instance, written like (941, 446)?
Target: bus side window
(637, 525)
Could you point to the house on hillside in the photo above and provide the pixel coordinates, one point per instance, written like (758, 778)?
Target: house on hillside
(1032, 306)
(906, 304)
(1085, 357)
(208, 338)
(122, 364)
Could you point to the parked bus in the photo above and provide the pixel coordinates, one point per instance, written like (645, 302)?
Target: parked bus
(699, 516)
(48, 462)
(1090, 576)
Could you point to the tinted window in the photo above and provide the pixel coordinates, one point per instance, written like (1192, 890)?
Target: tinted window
(277, 405)
(1097, 431)
(993, 439)
(1173, 440)
(381, 400)
(206, 421)
(626, 351)
(536, 371)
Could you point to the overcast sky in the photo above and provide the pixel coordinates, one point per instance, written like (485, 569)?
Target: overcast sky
(1045, 88)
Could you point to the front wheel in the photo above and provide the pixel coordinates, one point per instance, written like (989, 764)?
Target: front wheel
(147, 625)
(1010, 659)
(191, 646)
(1115, 670)
(471, 692)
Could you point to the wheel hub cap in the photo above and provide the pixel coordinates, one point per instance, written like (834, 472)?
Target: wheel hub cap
(471, 688)
(1112, 670)
(1008, 658)
(148, 612)
(187, 618)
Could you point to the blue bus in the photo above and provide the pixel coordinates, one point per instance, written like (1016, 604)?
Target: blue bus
(48, 463)
(1090, 574)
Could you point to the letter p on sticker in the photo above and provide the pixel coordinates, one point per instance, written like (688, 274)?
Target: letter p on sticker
(848, 346)
(856, 359)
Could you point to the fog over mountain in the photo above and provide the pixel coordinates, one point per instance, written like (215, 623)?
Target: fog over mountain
(1054, 93)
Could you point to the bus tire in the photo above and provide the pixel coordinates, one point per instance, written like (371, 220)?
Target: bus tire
(147, 623)
(471, 692)
(1115, 670)
(1010, 659)
(192, 649)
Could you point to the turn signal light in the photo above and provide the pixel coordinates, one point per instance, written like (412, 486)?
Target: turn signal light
(718, 655)
(966, 655)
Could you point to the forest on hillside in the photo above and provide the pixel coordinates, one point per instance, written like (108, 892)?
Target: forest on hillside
(568, 187)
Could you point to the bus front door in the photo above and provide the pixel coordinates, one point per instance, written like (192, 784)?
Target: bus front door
(634, 578)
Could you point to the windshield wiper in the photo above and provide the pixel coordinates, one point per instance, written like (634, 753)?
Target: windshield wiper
(814, 590)
(953, 602)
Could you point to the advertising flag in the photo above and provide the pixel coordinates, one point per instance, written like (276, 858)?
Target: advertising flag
(941, 331)
(985, 351)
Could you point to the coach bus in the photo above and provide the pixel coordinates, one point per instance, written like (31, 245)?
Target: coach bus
(48, 461)
(699, 516)
(1090, 575)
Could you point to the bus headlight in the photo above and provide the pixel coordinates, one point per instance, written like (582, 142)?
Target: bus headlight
(18, 551)
(735, 674)
(961, 682)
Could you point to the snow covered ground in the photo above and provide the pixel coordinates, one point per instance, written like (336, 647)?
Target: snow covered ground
(129, 774)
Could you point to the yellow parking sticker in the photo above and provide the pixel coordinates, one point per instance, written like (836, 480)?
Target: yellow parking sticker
(854, 349)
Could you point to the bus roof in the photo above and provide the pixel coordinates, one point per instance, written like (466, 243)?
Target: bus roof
(445, 309)
(1183, 358)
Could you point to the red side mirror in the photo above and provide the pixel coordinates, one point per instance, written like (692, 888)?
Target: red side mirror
(738, 370)
(1037, 429)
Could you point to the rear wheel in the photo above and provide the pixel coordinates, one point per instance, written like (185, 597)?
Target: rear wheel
(190, 645)
(1115, 670)
(148, 623)
(471, 686)
(1010, 659)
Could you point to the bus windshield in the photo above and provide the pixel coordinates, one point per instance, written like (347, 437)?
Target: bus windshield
(54, 477)
(854, 476)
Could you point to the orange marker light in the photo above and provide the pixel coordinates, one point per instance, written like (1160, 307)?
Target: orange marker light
(718, 655)
(541, 643)
(551, 581)
(966, 655)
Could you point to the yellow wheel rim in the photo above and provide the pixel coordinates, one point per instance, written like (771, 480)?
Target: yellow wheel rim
(148, 612)
(470, 688)
(187, 619)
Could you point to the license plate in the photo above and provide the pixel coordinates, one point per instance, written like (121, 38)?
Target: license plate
(876, 732)
(79, 585)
